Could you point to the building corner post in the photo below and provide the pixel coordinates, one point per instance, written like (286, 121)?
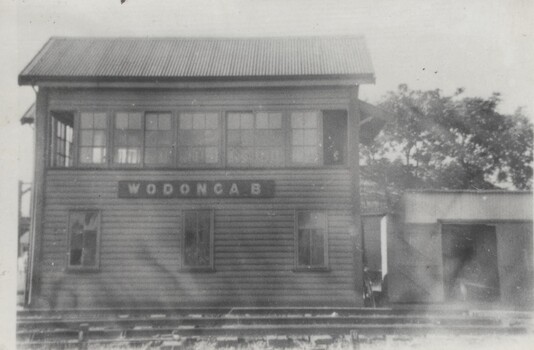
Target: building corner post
(37, 201)
(356, 231)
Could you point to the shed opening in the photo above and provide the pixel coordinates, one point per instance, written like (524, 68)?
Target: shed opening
(470, 267)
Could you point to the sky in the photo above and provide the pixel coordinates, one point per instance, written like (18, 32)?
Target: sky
(484, 46)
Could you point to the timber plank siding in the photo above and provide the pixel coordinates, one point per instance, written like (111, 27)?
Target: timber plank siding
(141, 242)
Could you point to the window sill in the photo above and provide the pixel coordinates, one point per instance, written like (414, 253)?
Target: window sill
(311, 269)
(72, 269)
(207, 269)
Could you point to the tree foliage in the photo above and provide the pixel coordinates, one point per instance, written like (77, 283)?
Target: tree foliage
(449, 142)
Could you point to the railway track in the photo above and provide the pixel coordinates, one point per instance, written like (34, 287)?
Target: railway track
(135, 327)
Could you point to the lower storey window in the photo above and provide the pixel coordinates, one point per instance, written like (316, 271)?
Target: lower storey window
(84, 237)
(311, 240)
(197, 244)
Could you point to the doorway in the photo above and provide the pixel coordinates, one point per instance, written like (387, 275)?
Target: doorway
(470, 265)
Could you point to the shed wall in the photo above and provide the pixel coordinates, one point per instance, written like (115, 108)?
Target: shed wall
(415, 263)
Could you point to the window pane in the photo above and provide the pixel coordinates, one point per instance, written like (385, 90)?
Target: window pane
(99, 155)
(247, 137)
(234, 121)
(151, 138)
(86, 138)
(134, 121)
(304, 247)
(86, 155)
(317, 246)
(212, 121)
(310, 120)
(233, 137)
(311, 238)
(99, 138)
(197, 235)
(83, 232)
(212, 155)
(275, 121)
(151, 156)
(310, 137)
(121, 121)
(262, 121)
(100, 121)
(186, 121)
(151, 121)
(164, 122)
(247, 121)
(135, 138)
(297, 156)
(297, 120)
(86, 120)
(89, 249)
(199, 121)
(298, 137)
(127, 155)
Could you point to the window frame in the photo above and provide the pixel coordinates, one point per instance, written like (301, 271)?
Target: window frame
(254, 112)
(222, 145)
(78, 136)
(81, 268)
(311, 268)
(346, 148)
(174, 140)
(221, 163)
(111, 134)
(52, 137)
(320, 139)
(211, 266)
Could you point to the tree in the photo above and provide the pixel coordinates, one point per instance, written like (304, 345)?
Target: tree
(449, 142)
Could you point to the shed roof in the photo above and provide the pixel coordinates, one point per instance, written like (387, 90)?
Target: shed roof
(176, 59)
(467, 205)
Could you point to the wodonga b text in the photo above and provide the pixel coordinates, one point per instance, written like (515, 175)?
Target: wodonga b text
(197, 189)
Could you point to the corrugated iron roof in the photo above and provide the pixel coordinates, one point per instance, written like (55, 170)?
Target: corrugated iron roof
(142, 59)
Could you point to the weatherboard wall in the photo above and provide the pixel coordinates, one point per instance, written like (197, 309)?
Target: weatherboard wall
(254, 246)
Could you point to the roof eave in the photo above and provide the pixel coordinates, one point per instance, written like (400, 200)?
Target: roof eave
(367, 78)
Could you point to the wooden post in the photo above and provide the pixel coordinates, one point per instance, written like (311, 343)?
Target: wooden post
(19, 216)
(354, 154)
(82, 336)
(36, 225)
(354, 339)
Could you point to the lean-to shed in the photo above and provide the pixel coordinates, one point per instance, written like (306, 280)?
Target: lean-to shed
(463, 247)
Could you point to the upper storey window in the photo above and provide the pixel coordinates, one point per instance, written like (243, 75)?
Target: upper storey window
(93, 138)
(240, 139)
(159, 143)
(334, 137)
(127, 138)
(255, 139)
(305, 138)
(199, 139)
(61, 139)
